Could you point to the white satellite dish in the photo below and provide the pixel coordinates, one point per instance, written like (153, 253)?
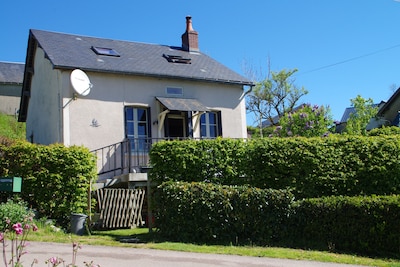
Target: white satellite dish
(80, 82)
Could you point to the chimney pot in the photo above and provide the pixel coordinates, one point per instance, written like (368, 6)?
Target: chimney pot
(190, 39)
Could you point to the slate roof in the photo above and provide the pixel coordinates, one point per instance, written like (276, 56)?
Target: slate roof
(11, 73)
(69, 51)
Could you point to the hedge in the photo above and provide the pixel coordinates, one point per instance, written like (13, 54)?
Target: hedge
(56, 179)
(363, 225)
(205, 212)
(209, 213)
(310, 167)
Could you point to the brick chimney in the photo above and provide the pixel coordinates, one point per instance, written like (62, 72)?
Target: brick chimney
(190, 39)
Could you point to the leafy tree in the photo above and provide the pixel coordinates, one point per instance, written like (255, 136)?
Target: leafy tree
(308, 121)
(274, 96)
(364, 111)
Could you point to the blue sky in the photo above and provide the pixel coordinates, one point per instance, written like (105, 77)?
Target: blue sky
(341, 48)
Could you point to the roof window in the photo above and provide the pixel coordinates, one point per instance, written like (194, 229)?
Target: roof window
(105, 51)
(177, 59)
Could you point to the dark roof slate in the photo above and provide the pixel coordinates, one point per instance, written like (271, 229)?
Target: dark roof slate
(11, 73)
(73, 51)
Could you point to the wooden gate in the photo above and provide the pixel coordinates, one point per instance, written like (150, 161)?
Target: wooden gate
(120, 208)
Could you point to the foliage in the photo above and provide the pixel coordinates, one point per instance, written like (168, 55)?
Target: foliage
(310, 167)
(17, 233)
(209, 213)
(359, 119)
(56, 179)
(217, 161)
(391, 130)
(274, 96)
(308, 121)
(362, 225)
(10, 128)
(205, 212)
(254, 132)
(12, 212)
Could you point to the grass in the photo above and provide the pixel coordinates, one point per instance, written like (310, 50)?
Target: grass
(11, 128)
(151, 240)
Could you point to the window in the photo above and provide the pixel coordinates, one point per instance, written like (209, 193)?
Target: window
(105, 51)
(174, 91)
(137, 127)
(210, 125)
(177, 59)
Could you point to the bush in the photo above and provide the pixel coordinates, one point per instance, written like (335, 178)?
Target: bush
(363, 225)
(205, 212)
(218, 161)
(309, 167)
(12, 212)
(56, 179)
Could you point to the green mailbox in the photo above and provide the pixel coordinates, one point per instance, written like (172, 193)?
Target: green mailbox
(10, 184)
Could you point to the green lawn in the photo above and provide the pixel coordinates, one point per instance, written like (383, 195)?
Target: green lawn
(145, 239)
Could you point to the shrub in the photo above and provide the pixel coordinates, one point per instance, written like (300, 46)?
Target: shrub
(310, 167)
(366, 225)
(205, 212)
(12, 212)
(56, 179)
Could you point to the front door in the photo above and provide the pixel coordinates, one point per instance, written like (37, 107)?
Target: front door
(175, 126)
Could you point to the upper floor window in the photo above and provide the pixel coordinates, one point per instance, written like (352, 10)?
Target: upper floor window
(174, 91)
(210, 125)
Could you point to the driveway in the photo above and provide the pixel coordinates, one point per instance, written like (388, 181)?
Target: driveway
(130, 257)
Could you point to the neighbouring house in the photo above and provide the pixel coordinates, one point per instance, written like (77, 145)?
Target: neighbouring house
(389, 113)
(139, 93)
(378, 121)
(11, 77)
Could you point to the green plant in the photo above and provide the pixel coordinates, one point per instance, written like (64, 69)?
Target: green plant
(12, 212)
(10, 128)
(17, 233)
(56, 179)
(308, 121)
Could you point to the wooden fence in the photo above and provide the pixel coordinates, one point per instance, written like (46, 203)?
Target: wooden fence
(120, 208)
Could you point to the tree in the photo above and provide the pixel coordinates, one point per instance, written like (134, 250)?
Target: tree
(308, 121)
(364, 111)
(274, 96)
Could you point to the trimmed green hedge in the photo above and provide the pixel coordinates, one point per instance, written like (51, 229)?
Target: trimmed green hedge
(310, 167)
(56, 179)
(204, 212)
(365, 225)
(209, 213)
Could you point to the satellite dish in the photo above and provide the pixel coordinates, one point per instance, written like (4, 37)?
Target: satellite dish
(80, 82)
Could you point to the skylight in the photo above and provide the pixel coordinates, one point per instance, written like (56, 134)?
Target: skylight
(105, 51)
(177, 59)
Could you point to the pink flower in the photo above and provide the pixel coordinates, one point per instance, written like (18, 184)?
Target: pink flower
(35, 228)
(53, 260)
(18, 228)
(1, 237)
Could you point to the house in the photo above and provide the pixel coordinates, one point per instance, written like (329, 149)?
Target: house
(134, 92)
(11, 76)
(376, 122)
(389, 113)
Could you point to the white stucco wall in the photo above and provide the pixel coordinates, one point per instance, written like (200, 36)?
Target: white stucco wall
(10, 95)
(43, 120)
(111, 93)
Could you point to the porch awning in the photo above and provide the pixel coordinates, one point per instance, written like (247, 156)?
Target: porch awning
(182, 104)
